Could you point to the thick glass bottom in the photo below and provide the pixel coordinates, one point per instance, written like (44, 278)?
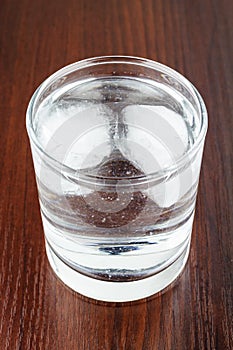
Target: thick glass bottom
(116, 291)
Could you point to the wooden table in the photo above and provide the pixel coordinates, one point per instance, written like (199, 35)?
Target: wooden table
(37, 311)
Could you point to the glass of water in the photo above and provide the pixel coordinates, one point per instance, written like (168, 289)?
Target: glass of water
(117, 144)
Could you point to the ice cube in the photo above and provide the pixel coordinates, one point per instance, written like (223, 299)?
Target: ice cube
(157, 137)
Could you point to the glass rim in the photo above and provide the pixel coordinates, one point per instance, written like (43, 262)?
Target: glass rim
(148, 63)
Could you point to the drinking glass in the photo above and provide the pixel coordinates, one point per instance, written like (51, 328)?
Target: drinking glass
(117, 145)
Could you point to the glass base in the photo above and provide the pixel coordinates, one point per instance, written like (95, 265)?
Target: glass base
(116, 291)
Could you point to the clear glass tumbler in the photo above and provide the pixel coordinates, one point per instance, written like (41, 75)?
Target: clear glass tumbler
(117, 144)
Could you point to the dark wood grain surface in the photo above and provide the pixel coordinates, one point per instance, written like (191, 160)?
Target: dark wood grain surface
(36, 310)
